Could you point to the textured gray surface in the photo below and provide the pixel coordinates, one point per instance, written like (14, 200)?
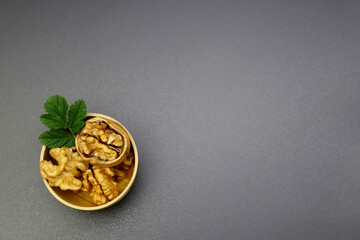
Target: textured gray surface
(246, 115)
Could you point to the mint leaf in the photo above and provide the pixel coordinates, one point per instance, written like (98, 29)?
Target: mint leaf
(53, 122)
(57, 106)
(77, 113)
(57, 138)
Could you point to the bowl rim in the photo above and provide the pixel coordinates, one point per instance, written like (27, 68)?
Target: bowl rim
(118, 198)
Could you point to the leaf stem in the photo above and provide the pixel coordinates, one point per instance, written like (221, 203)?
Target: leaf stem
(67, 124)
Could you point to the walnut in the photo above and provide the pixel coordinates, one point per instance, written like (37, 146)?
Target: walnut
(63, 175)
(69, 160)
(92, 147)
(102, 184)
(118, 173)
(62, 179)
(123, 183)
(91, 185)
(67, 181)
(102, 143)
(76, 165)
(104, 176)
(126, 164)
(47, 169)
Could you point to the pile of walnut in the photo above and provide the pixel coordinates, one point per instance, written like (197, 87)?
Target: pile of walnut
(73, 173)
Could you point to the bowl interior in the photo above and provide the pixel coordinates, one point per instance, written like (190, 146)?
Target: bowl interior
(82, 200)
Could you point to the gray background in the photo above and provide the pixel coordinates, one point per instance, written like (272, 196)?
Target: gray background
(246, 115)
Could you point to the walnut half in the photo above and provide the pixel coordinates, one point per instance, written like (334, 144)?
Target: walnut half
(102, 143)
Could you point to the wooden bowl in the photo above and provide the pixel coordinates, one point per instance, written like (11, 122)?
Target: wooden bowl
(82, 200)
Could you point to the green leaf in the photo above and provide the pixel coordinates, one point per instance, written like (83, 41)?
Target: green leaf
(57, 106)
(53, 122)
(57, 138)
(77, 113)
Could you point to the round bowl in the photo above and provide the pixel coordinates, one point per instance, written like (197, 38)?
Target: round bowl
(82, 200)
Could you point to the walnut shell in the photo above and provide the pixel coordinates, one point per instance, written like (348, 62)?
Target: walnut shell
(102, 143)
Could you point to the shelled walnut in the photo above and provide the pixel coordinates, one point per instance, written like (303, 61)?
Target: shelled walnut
(104, 176)
(70, 165)
(127, 162)
(93, 187)
(102, 184)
